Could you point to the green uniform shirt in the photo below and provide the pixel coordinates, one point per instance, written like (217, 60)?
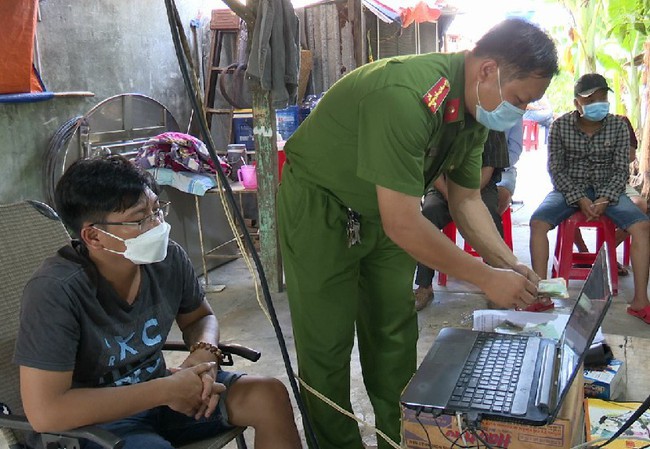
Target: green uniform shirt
(373, 127)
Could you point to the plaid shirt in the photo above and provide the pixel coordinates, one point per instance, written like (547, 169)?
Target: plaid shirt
(577, 161)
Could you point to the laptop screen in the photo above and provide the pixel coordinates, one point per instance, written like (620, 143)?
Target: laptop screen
(583, 323)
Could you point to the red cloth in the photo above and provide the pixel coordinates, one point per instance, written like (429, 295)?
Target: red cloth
(413, 10)
(419, 13)
(17, 74)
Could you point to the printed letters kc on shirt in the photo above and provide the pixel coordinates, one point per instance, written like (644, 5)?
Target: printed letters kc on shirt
(437, 94)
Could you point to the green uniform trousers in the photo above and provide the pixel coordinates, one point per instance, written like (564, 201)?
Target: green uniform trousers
(334, 290)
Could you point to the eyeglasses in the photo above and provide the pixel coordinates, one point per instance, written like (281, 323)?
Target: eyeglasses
(158, 214)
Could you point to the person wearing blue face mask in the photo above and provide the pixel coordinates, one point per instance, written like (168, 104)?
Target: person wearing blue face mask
(588, 151)
(350, 233)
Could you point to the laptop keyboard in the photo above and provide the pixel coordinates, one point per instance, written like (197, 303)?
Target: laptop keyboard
(488, 381)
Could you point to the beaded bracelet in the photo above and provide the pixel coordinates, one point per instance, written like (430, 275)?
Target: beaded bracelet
(212, 349)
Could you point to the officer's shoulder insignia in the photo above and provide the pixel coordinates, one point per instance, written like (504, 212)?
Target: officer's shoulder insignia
(451, 110)
(437, 94)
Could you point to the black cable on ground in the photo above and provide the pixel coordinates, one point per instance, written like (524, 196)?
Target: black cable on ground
(182, 52)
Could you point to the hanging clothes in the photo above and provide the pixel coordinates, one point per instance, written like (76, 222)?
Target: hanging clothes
(275, 51)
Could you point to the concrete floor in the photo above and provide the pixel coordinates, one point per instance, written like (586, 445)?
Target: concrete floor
(242, 321)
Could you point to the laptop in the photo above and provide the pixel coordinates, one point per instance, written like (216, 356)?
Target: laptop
(504, 377)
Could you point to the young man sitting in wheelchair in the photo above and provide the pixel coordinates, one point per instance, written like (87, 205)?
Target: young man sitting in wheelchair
(95, 316)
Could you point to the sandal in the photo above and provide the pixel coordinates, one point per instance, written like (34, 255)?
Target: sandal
(643, 314)
(622, 270)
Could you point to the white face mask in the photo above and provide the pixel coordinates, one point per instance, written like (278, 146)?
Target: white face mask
(148, 247)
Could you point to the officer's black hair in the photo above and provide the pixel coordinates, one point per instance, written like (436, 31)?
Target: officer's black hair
(90, 189)
(520, 48)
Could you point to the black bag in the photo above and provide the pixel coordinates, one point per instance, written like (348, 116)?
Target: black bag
(598, 357)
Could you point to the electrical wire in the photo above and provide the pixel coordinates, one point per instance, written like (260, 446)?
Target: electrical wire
(479, 438)
(471, 429)
(426, 432)
(461, 435)
(182, 50)
(485, 436)
(453, 442)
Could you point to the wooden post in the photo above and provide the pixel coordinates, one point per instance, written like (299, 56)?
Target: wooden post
(267, 163)
(355, 17)
(645, 138)
(267, 184)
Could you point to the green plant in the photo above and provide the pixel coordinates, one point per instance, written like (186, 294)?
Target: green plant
(605, 37)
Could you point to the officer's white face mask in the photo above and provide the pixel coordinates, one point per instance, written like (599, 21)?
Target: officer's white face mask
(148, 247)
(504, 117)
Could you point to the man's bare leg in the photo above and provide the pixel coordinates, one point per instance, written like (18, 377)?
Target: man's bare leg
(264, 404)
(539, 247)
(640, 259)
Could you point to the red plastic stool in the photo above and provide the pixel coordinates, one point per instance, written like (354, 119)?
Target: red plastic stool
(531, 135)
(450, 232)
(566, 262)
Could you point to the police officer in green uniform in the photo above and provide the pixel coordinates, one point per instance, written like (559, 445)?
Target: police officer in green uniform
(349, 213)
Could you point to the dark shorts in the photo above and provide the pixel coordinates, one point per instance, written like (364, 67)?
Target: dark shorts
(164, 428)
(554, 210)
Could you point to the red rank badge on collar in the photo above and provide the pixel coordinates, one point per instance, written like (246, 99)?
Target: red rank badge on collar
(437, 94)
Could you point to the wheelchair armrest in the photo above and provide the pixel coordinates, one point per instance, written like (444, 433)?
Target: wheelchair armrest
(227, 348)
(93, 433)
(241, 351)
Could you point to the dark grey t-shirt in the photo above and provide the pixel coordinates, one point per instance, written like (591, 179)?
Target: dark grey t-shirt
(73, 320)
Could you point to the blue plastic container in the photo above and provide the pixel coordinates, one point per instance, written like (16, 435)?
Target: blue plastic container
(242, 129)
(306, 106)
(287, 121)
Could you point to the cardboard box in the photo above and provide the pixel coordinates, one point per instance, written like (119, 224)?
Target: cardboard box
(566, 431)
(605, 384)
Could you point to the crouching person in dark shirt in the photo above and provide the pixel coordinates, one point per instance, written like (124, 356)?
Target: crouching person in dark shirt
(95, 316)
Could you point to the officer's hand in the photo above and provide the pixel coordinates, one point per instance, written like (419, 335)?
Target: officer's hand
(510, 289)
(529, 273)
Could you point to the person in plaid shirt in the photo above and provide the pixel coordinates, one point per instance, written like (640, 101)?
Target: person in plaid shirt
(588, 163)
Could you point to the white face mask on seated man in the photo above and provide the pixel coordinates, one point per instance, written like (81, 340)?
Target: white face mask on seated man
(148, 247)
